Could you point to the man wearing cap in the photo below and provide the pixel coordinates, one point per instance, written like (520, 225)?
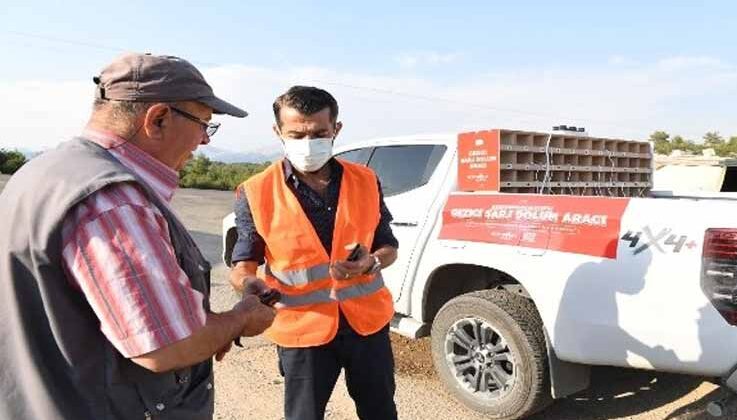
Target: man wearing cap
(104, 296)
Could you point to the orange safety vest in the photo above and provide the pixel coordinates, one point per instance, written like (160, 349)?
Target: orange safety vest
(298, 266)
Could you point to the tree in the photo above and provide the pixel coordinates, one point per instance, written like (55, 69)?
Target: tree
(693, 147)
(659, 136)
(11, 161)
(201, 172)
(730, 147)
(678, 143)
(201, 165)
(662, 144)
(713, 139)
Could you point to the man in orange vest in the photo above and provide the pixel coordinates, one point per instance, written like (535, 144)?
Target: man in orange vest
(321, 228)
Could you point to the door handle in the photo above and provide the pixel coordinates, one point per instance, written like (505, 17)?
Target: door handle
(405, 224)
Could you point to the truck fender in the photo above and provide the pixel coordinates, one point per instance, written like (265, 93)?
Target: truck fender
(566, 378)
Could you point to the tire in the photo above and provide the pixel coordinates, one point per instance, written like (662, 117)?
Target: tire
(507, 378)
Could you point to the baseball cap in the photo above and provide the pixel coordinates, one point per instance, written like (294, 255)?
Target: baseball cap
(137, 77)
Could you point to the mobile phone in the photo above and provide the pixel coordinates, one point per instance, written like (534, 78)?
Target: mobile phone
(355, 253)
(270, 298)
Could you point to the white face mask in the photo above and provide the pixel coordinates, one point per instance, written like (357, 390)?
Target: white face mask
(308, 155)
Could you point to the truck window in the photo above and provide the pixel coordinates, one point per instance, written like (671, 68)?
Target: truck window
(730, 180)
(360, 156)
(403, 168)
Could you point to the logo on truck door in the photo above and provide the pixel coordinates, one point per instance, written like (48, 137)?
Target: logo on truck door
(664, 241)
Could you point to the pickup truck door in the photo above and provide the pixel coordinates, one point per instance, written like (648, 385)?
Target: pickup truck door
(405, 173)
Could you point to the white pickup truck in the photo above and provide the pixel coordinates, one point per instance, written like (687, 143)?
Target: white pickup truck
(521, 293)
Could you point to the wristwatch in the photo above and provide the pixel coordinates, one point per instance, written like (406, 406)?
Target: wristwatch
(376, 267)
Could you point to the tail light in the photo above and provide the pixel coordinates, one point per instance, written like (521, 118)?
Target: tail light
(719, 271)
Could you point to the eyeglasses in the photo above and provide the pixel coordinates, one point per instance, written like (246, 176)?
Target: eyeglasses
(210, 128)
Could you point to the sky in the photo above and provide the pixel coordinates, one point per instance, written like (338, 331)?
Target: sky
(621, 69)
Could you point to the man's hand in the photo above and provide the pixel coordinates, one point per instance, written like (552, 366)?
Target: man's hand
(223, 351)
(259, 316)
(241, 272)
(253, 285)
(343, 270)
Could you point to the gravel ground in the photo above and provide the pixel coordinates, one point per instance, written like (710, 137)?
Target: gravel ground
(249, 386)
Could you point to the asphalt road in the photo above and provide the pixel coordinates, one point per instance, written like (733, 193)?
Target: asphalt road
(248, 385)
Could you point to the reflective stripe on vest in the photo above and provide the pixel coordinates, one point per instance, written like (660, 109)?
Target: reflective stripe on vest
(300, 277)
(325, 295)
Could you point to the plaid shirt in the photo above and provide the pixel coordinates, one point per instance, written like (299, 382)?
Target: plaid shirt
(117, 251)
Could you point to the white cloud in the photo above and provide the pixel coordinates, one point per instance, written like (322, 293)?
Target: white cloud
(39, 114)
(685, 62)
(425, 58)
(620, 60)
(629, 102)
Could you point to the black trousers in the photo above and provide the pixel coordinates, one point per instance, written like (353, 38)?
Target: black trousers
(310, 375)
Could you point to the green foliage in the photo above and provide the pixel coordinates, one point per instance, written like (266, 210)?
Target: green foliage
(203, 173)
(712, 139)
(664, 144)
(11, 161)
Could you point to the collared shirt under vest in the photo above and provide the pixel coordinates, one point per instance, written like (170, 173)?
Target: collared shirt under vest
(298, 265)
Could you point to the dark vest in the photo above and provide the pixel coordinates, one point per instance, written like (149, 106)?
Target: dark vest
(55, 363)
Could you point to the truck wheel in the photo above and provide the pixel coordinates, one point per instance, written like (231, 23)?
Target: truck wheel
(489, 351)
